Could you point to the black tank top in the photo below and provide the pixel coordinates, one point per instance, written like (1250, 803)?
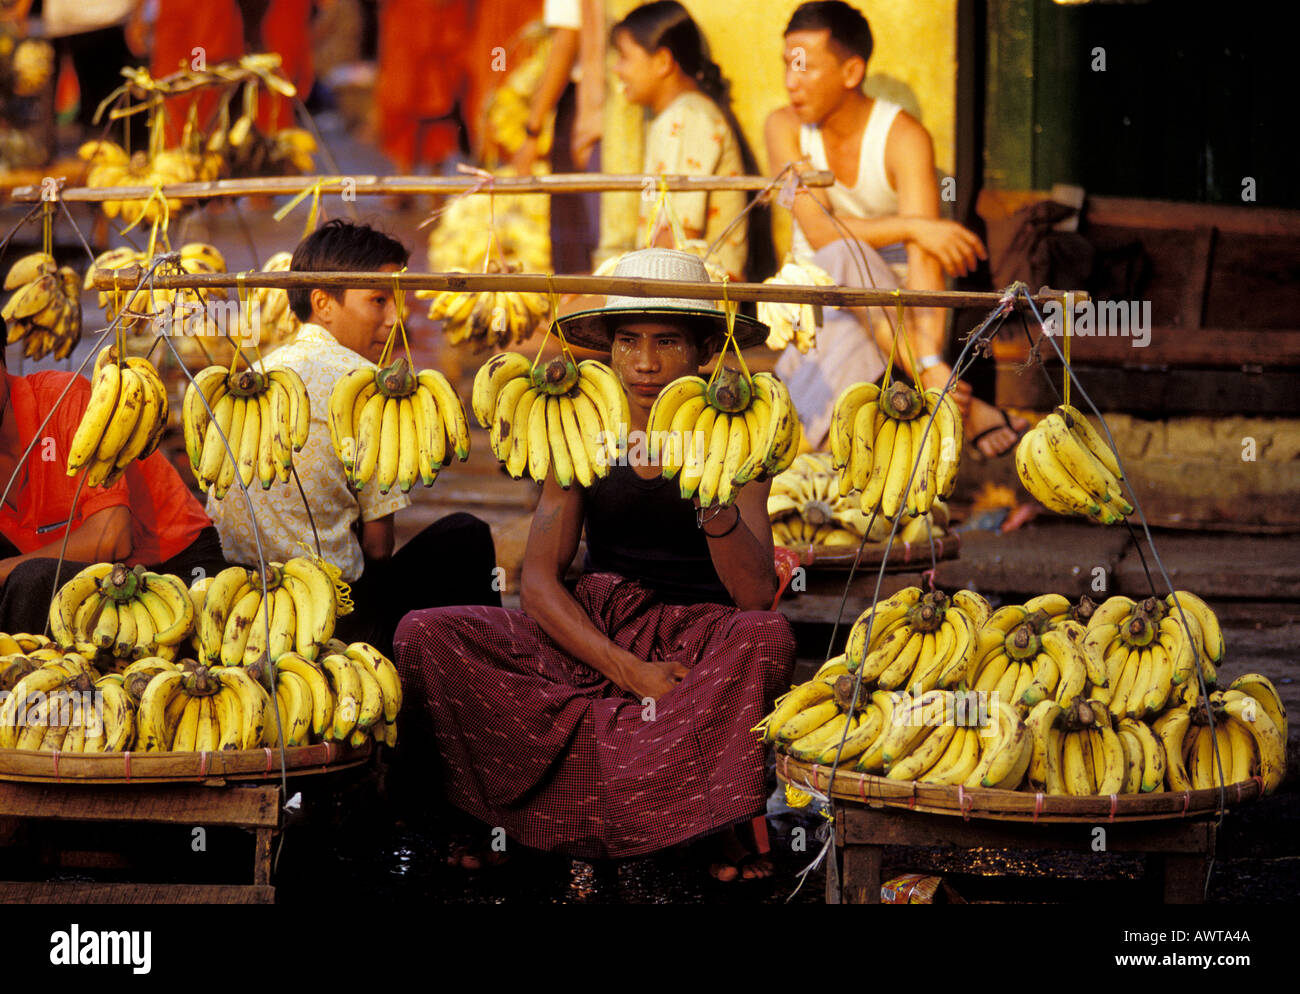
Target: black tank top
(644, 530)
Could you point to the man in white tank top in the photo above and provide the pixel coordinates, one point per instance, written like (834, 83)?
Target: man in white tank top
(885, 204)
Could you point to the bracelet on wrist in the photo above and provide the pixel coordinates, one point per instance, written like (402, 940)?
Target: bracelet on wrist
(928, 362)
(722, 534)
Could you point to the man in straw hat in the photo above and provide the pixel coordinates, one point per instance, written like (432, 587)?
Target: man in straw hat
(613, 718)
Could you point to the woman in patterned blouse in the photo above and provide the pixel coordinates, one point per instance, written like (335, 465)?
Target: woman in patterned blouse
(663, 67)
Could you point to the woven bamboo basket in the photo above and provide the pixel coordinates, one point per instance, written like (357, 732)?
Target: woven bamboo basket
(24, 765)
(1013, 805)
(903, 556)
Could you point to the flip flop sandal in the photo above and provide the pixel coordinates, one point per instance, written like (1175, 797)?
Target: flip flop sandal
(980, 457)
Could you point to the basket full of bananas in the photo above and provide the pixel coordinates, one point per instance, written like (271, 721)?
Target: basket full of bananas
(166, 719)
(1046, 711)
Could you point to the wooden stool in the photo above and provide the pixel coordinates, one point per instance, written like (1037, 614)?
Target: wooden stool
(1179, 849)
(255, 808)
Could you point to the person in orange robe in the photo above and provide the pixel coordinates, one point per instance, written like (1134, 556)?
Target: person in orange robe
(182, 32)
(286, 29)
(423, 51)
(497, 23)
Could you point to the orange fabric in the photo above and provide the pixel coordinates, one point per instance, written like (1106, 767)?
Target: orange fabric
(497, 23)
(217, 28)
(286, 29)
(423, 54)
(165, 517)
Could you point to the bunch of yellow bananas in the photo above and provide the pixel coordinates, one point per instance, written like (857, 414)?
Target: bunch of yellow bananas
(507, 107)
(1082, 749)
(31, 66)
(520, 233)
(877, 437)
(932, 737)
(396, 425)
(487, 319)
(795, 323)
(351, 695)
(917, 639)
(296, 600)
(806, 508)
(45, 308)
(721, 435)
(179, 311)
(202, 710)
(64, 705)
(1247, 738)
(124, 420)
(291, 151)
(110, 165)
(563, 418)
(1078, 750)
(1149, 661)
(263, 417)
(120, 612)
(1067, 466)
(1032, 652)
(356, 695)
(268, 320)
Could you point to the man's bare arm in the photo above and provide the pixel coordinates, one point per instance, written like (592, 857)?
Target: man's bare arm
(104, 537)
(377, 538)
(743, 556)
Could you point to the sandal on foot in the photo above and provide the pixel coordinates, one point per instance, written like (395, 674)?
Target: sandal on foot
(1006, 423)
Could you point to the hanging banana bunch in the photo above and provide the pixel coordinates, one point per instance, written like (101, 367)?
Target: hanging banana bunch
(877, 436)
(793, 323)
(124, 420)
(263, 416)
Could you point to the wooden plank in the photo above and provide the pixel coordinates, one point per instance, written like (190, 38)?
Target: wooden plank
(830, 296)
(72, 892)
(1199, 266)
(1256, 347)
(1132, 212)
(1256, 282)
(262, 857)
(862, 869)
(1184, 877)
(1159, 392)
(249, 807)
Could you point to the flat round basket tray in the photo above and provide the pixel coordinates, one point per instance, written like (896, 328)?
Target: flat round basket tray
(1011, 805)
(182, 767)
(903, 556)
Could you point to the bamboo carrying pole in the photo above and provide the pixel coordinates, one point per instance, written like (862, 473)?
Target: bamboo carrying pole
(405, 185)
(129, 276)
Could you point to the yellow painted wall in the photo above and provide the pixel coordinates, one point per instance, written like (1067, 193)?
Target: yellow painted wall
(914, 64)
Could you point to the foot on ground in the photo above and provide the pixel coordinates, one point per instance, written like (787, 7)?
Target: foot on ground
(736, 861)
(992, 430)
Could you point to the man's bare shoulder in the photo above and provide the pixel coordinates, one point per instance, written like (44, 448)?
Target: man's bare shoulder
(907, 134)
